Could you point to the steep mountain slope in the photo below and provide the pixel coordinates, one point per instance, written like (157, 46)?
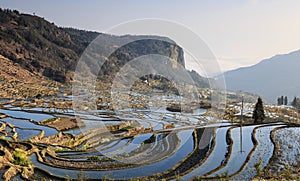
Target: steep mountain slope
(270, 78)
(17, 82)
(47, 50)
(40, 46)
(11, 71)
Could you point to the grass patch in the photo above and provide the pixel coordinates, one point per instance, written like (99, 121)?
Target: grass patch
(49, 120)
(94, 158)
(20, 157)
(258, 167)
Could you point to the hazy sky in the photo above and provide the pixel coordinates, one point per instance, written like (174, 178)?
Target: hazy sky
(239, 32)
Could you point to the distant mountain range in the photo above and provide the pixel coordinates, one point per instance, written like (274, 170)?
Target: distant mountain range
(270, 78)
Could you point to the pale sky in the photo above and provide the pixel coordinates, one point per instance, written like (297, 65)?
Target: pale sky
(238, 32)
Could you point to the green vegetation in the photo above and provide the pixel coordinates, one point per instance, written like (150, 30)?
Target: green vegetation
(85, 147)
(258, 167)
(61, 149)
(282, 101)
(53, 48)
(259, 113)
(49, 120)
(296, 103)
(20, 157)
(57, 49)
(149, 140)
(94, 158)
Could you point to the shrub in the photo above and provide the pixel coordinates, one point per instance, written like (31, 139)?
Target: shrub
(20, 157)
(94, 158)
(49, 120)
(258, 167)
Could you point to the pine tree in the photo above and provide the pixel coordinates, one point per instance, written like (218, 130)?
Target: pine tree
(285, 100)
(278, 101)
(294, 102)
(259, 113)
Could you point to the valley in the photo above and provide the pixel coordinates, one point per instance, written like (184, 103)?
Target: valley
(84, 105)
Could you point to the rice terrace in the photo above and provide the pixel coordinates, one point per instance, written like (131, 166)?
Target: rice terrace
(83, 105)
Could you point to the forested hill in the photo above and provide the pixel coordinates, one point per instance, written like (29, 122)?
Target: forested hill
(52, 52)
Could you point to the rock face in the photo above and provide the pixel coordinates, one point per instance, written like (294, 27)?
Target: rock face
(140, 46)
(46, 50)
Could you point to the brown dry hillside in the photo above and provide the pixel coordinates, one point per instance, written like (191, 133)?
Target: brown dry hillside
(40, 46)
(35, 51)
(50, 51)
(17, 82)
(13, 71)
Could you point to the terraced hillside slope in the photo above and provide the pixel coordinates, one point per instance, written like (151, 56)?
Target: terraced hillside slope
(50, 51)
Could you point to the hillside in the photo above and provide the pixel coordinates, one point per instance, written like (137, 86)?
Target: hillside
(270, 78)
(52, 52)
(39, 46)
(17, 82)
